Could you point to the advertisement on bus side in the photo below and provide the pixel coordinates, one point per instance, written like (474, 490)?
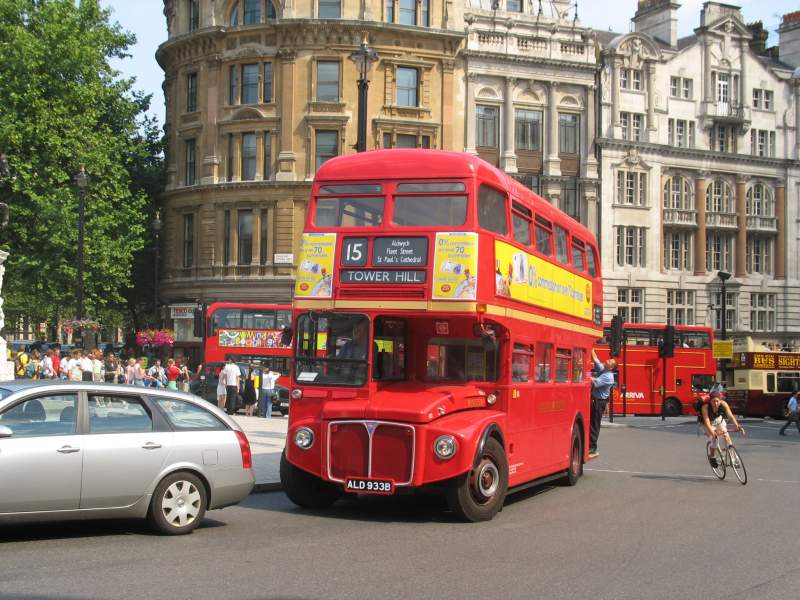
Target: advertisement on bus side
(315, 267)
(455, 266)
(528, 278)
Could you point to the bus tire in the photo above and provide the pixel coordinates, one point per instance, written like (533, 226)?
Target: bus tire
(575, 470)
(478, 494)
(304, 489)
(672, 407)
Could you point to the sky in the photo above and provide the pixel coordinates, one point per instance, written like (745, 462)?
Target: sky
(145, 18)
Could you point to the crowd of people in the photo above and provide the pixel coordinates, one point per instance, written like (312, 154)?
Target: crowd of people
(94, 365)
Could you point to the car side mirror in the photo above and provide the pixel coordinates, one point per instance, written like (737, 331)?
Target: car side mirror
(5, 432)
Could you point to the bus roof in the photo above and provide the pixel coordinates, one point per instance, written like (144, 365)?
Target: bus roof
(404, 163)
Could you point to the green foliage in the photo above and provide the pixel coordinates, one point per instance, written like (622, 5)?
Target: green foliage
(61, 106)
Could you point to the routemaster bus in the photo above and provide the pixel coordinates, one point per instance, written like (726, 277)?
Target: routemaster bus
(444, 317)
(690, 371)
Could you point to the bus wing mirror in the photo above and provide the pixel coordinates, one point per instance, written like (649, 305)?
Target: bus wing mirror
(286, 336)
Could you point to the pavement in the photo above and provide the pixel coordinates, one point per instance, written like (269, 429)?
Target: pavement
(267, 438)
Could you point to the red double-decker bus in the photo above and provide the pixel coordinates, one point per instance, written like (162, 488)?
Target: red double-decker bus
(690, 371)
(249, 332)
(444, 317)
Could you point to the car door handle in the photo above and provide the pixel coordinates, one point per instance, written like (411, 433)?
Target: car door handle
(68, 450)
(151, 446)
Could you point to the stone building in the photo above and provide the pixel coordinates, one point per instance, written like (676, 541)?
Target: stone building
(699, 151)
(258, 95)
(531, 98)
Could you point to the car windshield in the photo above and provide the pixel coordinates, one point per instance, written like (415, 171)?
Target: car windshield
(332, 349)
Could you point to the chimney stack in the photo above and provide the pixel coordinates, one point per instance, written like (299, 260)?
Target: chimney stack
(789, 39)
(658, 19)
(759, 42)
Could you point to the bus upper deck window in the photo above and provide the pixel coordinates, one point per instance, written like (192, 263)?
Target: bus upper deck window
(429, 210)
(544, 236)
(562, 254)
(521, 221)
(226, 318)
(578, 254)
(349, 212)
(492, 210)
(591, 264)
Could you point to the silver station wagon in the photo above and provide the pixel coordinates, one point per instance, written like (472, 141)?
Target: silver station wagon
(91, 451)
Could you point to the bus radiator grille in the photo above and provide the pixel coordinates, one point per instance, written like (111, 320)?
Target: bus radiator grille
(388, 453)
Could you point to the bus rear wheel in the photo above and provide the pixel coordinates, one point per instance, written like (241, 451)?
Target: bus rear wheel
(304, 489)
(575, 458)
(672, 407)
(478, 495)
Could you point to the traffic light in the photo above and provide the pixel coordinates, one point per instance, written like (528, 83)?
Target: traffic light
(667, 347)
(199, 322)
(615, 336)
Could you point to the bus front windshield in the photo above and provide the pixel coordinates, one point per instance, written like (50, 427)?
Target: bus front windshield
(332, 349)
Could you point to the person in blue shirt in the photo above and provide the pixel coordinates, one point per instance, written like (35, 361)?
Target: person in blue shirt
(601, 388)
(793, 414)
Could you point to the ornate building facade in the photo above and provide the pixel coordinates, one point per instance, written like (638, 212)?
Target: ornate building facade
(699, 151)
(260, 93)
(531, 98)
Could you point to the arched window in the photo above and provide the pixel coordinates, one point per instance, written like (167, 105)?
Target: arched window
(719, 197)
(678, 193)
(194, 15)
(234, 21)
(252, 12)
(271, 12)
(760, 201)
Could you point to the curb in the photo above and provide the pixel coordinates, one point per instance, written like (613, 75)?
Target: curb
(606, 424)
(265, 488)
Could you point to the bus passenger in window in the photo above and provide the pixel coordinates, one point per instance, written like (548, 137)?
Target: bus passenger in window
(601, 388)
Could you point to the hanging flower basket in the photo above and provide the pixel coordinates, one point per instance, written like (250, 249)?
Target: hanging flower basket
(82, 324)
(155, 337)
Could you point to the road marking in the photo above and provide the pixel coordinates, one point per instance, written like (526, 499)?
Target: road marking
(681, 475)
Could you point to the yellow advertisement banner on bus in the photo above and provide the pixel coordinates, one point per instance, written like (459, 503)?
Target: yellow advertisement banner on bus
(315, 267)
(455, 266)
(528, 278)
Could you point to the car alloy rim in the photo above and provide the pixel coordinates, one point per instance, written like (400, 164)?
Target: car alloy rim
(181, 503)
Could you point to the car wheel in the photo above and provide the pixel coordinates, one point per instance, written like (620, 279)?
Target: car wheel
(575, 469)
(478, 495)
(179, 503)
(304, 489)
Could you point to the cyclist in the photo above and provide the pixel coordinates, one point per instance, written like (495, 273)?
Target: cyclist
(713, 413)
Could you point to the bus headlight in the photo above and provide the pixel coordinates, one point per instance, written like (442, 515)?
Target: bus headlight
(303, 438)
(297, 393)
(445, 446)
(491, 399)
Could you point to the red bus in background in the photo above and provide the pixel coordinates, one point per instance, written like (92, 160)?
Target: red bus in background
(249, 332)
(444, 317)
(690, 372)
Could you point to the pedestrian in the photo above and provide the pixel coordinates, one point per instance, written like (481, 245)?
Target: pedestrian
(21, 363)
(86, 366)
(33, 367)
(46, 368)
(184, 376)
(222, 393)
(111, 368)
(97, 366)
(172, 374)
(601, 388)
(55, 359)
(250, 394)
(73, 366)
(268, 379)
(793, 415)
(155, 375)
(138, 373)
(231, 376)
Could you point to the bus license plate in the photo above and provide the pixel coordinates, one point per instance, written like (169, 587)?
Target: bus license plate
(357, 485)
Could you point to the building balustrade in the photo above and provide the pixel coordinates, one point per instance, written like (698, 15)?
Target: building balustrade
(721, 220)
(674, 216)
(758, 223)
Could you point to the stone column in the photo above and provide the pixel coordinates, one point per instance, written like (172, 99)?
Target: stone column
(616, 65)
(553, 163)
(590, 169)
(797, 119)
(472, 86)
(651, 102)
(700, 238)
(744, 95)
(256, 253)
(741, 221)
(259, 156)
(286, 156)
(237, 157)
(780, 222)
(509, 155)
(447, 140)
(708, 88)
(209, 107)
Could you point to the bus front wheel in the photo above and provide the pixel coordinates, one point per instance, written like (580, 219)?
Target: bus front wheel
(672, 407)
(479, 494)
(575, 469)
(304, 489)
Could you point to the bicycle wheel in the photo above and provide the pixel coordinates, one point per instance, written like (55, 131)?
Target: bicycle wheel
(719, 470)
(737, 464)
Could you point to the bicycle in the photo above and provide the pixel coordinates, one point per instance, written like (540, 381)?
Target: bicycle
(727, 456)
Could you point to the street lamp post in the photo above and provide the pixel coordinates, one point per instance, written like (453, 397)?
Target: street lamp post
(82, 181)
(364, 57)
(157, 224)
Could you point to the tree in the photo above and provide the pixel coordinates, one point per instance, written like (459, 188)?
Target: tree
(63, 106)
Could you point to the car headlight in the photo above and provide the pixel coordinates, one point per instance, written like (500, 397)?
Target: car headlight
(304, 438)
(297, 393)
(445, 446)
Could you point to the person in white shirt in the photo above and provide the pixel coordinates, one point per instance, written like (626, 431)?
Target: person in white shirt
(268, 379)
(86, 366)
(46, 368)
(230, 376)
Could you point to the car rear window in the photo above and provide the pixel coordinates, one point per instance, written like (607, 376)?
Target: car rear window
(186, 416)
